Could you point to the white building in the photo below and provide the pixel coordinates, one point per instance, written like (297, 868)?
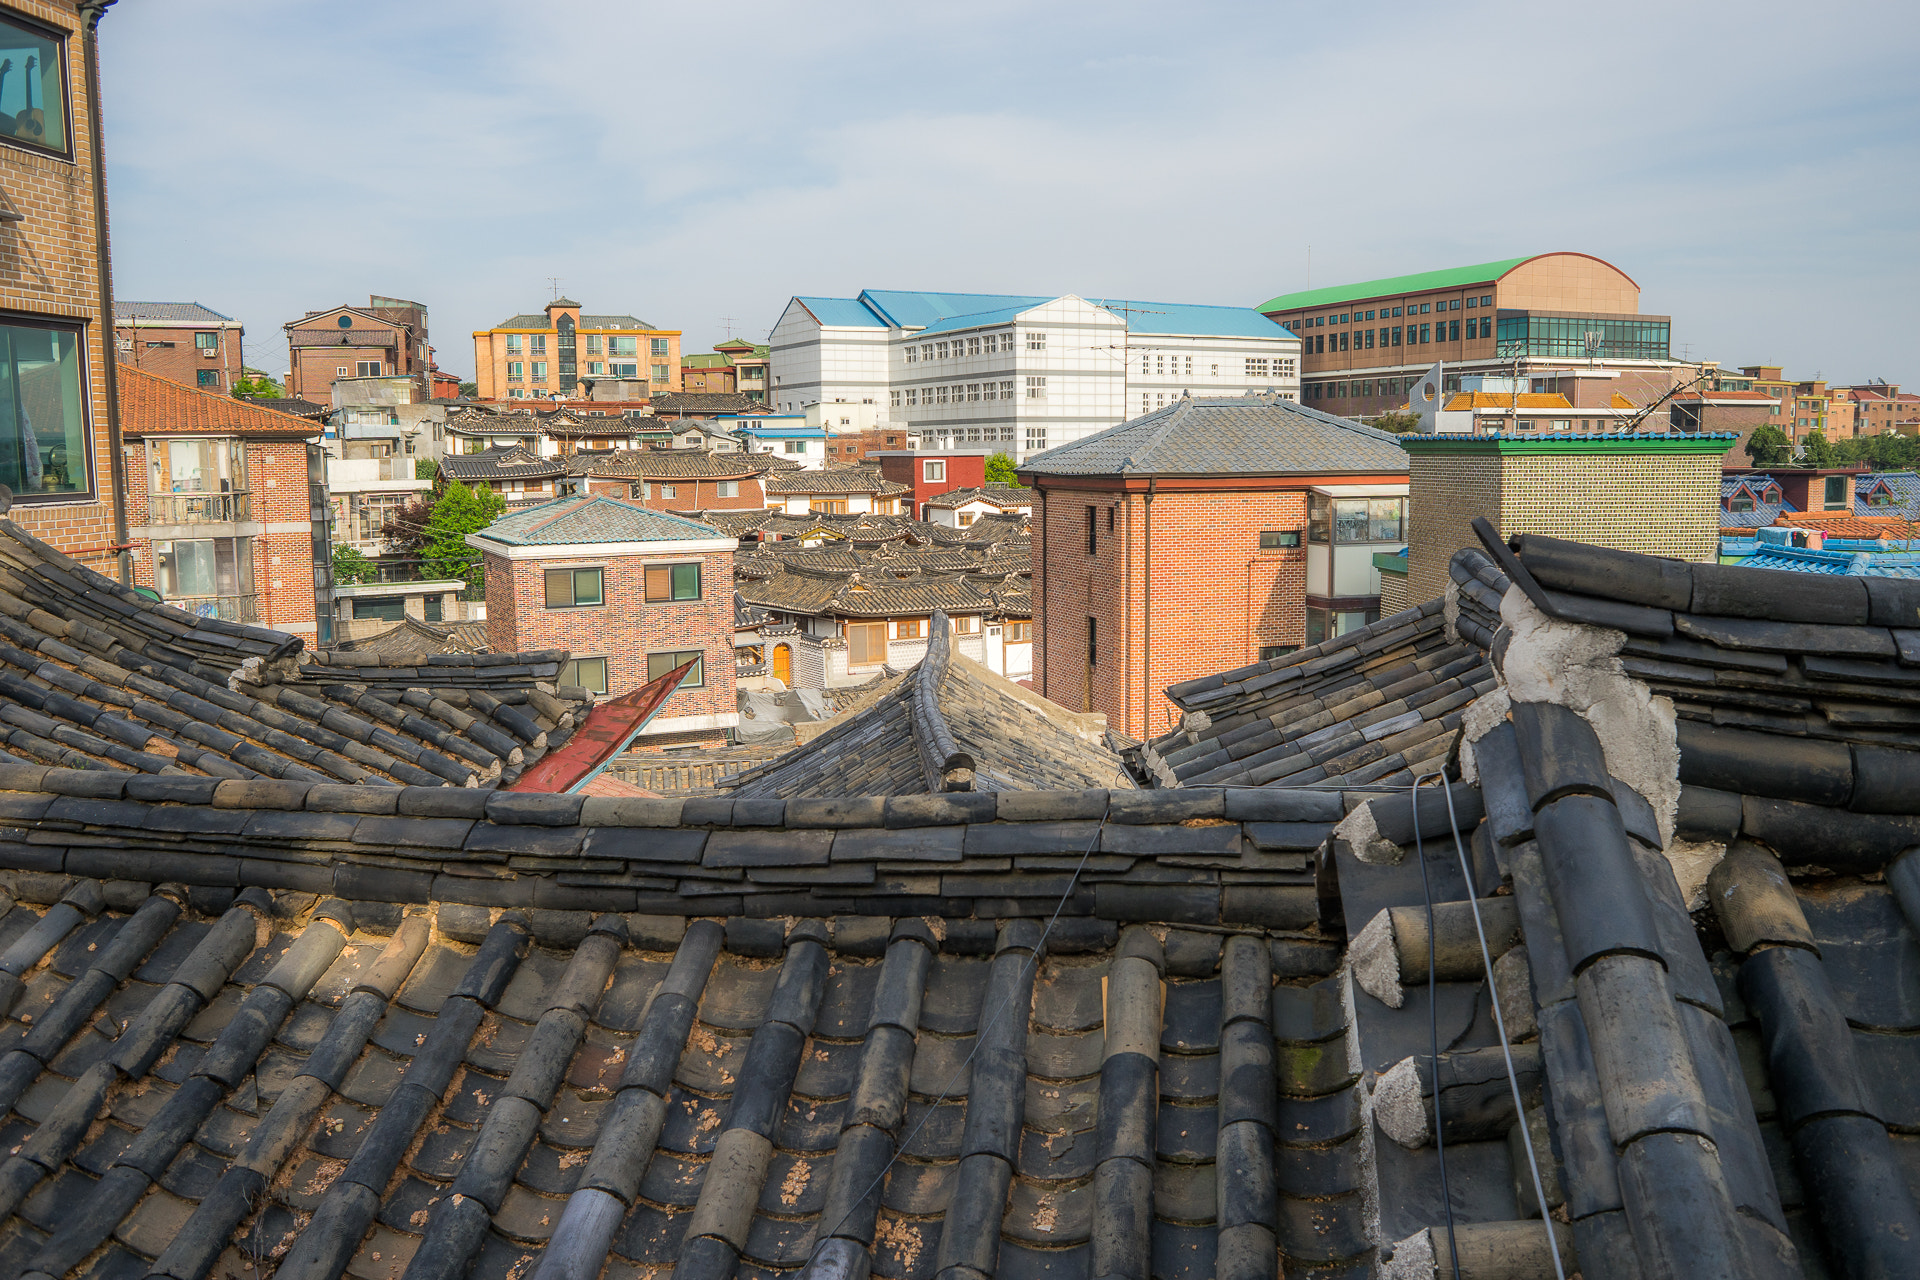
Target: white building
(1021, 373)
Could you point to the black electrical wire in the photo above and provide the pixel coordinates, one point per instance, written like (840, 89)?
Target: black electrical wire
(1433, 1011)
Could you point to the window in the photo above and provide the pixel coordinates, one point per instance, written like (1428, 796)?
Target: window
(623, 369)
(1093, 642)
(973, 346)
(933, 469)
(1018, 632)
(40, 101)
(795, 446)
(1742, 501)
(1256, 367)
(913, 397)
(669, 490)
(595, 367)
(1036, 388)
(1453, 331)
(1836, 491)
(209, 577)
(619, 346)
(207, 341)
(1277, 539)
(966, 626)
(669, 582)
(573, 588)
(1486, 299)
(1268, 652)
(828, 506)
(659, 664)
(1425, 332)
(539, 370)
(1006, 391)
(1036, 439)
(513, 344)
(973, 391)
(657, 346)
(1093, 541)
(588, 673)
(908, 629)
(515, 370)
(593, 344)
(662, 373)
(991, 342)
(537, 344)
(43, 439)
(1036, 342)
(1425, 307)
(941, 348)
(866, 643)
(206, 377)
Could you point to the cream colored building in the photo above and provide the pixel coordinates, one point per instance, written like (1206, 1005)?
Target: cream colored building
(1658, 494)
(553, 355)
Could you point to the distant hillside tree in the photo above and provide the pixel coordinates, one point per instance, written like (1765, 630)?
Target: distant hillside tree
(459, 512)
(1000, 470)
(260, 388)
(1819, 451)
(1768, 446)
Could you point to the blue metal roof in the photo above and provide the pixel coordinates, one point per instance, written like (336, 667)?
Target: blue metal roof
(843, 312)
(1849, 563)
(919, 310)
(981, 320)
(1183, 319)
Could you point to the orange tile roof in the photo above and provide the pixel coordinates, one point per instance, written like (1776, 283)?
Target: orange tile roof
(1621, 402)
(1504, 400)
(152, 405)
(1867, 528)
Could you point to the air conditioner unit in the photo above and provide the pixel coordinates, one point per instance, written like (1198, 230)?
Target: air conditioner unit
(209, 352)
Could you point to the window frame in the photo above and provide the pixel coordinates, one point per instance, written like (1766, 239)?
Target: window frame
(60, 41)
(573, 573)
(1277, 539)
(83, 354)
(574, 664)
(674, 580)
(695, 679)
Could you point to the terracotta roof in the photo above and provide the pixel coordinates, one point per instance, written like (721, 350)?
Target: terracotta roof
(151, 405)
(1867, 528)
(1539, 401)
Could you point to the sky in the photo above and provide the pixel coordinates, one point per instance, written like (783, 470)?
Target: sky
(1752, 166)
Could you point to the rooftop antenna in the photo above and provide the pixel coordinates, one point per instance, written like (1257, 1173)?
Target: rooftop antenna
(553, 282)
(728, 322)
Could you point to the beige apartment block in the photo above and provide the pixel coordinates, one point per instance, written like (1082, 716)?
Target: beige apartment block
(559, 354)
(1657, 494)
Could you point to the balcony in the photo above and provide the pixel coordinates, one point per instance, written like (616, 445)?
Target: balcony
(242, 608)
(200, 508)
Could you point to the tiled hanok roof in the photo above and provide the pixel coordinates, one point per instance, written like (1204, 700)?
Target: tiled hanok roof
(851, 480)
(1008, 497)
(291, 405)
(410, 637)
(663, 464)
(594, 518)
(185, 313)
(501, 462)
(1245, 435)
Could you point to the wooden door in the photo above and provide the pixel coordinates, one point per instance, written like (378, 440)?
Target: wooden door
(783, 664)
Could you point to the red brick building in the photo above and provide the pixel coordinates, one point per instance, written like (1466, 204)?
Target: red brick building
(387, 338)
(184, 341)
(630, 593)
(222, 500)
(931, 474)
(1201, 537)
(854, 445)
(675, 479)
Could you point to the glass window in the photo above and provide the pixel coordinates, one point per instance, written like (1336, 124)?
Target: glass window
(573, 588)
(206, 341)
(1316, 626)
(539, 370)
(210, 577)
(588, 673)
(1268, 652)
(619, 346)
(1836, 490)
(659, 664)
(206, 377)
(1350, 520)
(1383, 519)
(593, 344)
(33, 99)
(44, 448)
(513, 344)
(668, 582)
(380, 609)
(1275, 539)
(658, 346)
(1741, 502)
(1319, 518)
(1019, 632)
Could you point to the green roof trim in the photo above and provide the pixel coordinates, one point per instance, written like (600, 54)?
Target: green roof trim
(1583, 442)
(1332, 295)
(1390, 562)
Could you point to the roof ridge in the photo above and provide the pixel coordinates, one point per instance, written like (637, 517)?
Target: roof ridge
(941, 759)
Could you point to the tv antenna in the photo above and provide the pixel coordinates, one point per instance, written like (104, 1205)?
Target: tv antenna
(553, 282)
(728, 321)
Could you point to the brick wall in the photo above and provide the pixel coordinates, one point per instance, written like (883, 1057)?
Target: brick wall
(626, 628)
(689, 495)
(182, 361)
(48, 267)
(1215, 598)
(1445, 493)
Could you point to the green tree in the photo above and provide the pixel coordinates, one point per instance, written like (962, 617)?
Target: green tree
(258, 388)
(1768, 446)
(424, 468)
(1819, 450)
(405, 530)
(349, 567)
(1000, 470)
(459, 512)
(1398, 421)
(471, 390)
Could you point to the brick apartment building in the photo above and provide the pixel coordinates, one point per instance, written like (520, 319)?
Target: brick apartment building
(1880, 407)
(1804, 406)
(59, 430)
(226, 503)
(387, 338)
(736, 366)
(1657, 493)
(1203, 536)
(630, 594)
(191, 344)
(1563, 323)
(675, 479)
(550, 354)
(860, 445)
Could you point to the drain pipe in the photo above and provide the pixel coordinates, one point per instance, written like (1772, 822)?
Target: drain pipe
(91, 11)
(1146, 621)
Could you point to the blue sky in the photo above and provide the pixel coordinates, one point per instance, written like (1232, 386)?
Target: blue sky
(1751, 166)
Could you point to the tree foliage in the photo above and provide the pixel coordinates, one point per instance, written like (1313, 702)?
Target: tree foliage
(405, 530)
(350, 567)
(1768, 446)
(1398, 421)
(1000, 470)
(260, 388)
(1818, 451)
(460, 511)
(471, 390)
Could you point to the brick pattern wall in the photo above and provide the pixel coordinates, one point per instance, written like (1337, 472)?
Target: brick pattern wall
(689, 495)
(1215, 600)
(626, 628)
(1393, 594)
(48, 267)
(1445, 493)
(182, 362)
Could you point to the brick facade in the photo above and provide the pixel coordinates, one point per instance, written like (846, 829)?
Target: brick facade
(1659, 497)
(49, 268)
(1213, 601)
(625, 629)
(170, 352)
